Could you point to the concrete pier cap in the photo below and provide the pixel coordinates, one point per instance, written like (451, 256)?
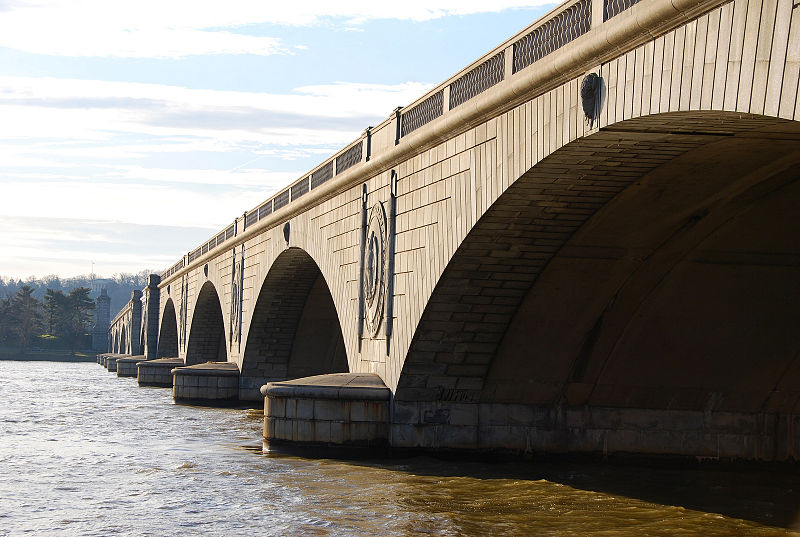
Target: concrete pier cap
(157, 372)
(127, 366)
(339, 409)
(111, 361)
(209, 382)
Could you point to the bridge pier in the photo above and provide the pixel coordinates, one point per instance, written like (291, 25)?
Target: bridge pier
(340, 409)
(127, 366)
(210, 382)
(111, 361)
(157, 372)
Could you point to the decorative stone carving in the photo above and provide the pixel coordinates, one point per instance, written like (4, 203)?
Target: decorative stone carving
(375, 253)
(184, 309)
(236, 303)
(590, 97)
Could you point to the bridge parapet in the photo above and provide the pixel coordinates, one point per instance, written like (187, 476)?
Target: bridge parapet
(124, 331)
(454, 105)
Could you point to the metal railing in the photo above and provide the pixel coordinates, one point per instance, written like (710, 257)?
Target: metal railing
(423, 113)
(478, 80)
(612, 8)
(553, 34)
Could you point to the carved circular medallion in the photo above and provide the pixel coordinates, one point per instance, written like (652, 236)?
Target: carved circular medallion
(375, 269)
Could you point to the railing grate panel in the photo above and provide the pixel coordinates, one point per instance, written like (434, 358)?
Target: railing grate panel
(281, 199)
(251, 218)
(612, 8)
(230, 232)
(567, 25)
(423, 113)
(322, 175)
(298, 189)
(478, 80)
(265, 209)
(349, 158)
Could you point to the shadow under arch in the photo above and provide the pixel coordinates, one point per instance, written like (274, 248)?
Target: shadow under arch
(649, 266)
(295, 330)
(168, 332)
(207, 335)
(123, 344)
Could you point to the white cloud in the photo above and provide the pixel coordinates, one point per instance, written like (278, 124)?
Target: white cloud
(129, 202)
(179, 28)
(72, 109)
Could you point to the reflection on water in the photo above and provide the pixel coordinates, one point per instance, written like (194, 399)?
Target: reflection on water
(83, 452)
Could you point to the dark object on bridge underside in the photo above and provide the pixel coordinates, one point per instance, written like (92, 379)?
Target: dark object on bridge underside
(590, 93)
(286, 230)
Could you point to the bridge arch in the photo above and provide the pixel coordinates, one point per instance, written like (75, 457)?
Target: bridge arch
(647, 266)
(294, 330)
(206, 341)
(168, 332)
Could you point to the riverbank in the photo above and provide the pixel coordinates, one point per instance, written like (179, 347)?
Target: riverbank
(47, 356)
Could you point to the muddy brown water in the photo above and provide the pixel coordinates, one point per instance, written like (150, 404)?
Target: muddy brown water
(83, 452)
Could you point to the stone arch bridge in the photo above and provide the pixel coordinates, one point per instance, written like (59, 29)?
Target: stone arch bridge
(586, 241)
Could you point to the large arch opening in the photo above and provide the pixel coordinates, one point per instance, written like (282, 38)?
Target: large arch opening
(648, 272)
(207, 335)
(295, 330)
(168, 333)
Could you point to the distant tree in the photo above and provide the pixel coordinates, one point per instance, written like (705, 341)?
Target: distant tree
(56, 311)
(26, 316)
(80, 308)
(5, 320)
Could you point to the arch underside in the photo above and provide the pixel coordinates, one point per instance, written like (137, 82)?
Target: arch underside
(207, 335)
(168, 333)
(295, 330)
(653, 265)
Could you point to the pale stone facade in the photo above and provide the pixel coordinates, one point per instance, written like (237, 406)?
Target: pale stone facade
(125, 329)
(514, 204)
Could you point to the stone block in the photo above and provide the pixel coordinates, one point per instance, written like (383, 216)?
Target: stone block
(269, 427)
(463, 414)
(283, 429)
(275, 407)
(405, 436)
(514, 414)
(458, 437)
(303, 431)
(303, 408)
(337, 432)
(228, 382)
(732, 422)
(322, 431)
(502, 436)
(331, 410)
(405, 412)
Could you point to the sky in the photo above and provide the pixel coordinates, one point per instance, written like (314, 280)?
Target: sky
(131, 132)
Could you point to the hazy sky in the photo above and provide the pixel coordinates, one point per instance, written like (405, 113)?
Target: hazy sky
(130, 132)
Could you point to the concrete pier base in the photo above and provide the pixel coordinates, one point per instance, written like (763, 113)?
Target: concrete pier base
(341, 409)
(210, 382)
(102, 359)
(157, 372)
(111, 361)
(128, 366)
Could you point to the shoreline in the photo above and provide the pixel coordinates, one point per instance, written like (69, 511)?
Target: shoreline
(46, 357)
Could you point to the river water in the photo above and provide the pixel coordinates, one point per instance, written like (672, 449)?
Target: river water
(83, 452)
